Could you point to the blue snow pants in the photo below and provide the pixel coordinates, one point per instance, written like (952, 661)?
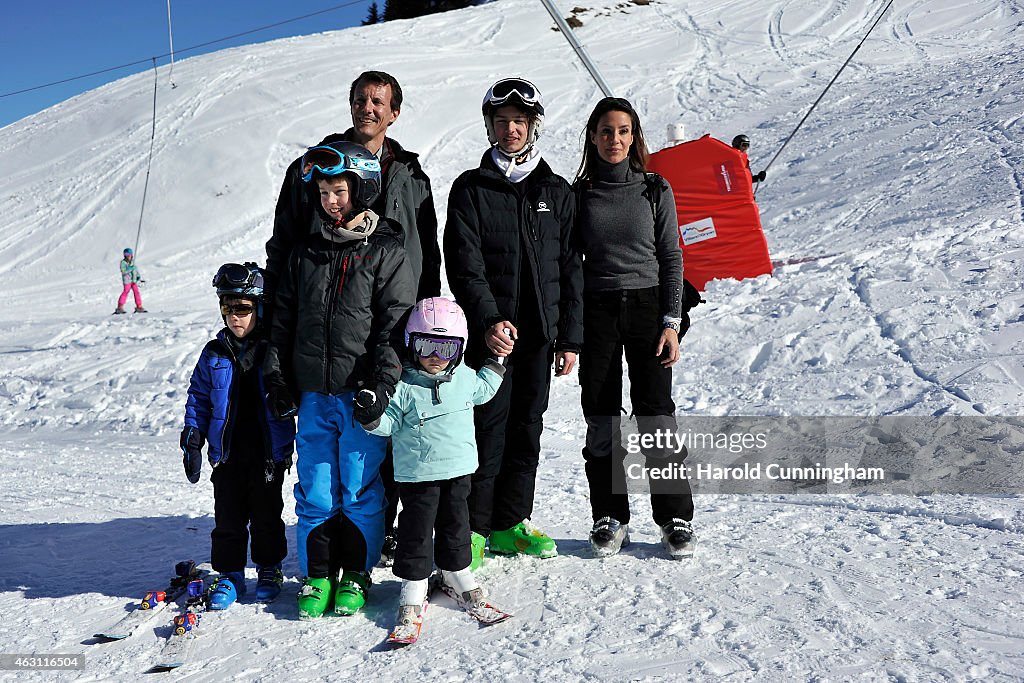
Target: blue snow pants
(339, 498)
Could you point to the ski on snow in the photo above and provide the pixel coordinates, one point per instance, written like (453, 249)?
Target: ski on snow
(409, 625)
(154, 602)
(407, 630)
(476, 606)
(185, 629)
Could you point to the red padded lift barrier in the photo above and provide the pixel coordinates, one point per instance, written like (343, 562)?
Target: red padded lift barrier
(719, 222)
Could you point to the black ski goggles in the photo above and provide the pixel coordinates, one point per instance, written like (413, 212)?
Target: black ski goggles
(237, 276)
(507, 88)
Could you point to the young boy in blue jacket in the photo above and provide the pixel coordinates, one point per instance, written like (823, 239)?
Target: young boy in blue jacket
(430, 421)
(249, 449)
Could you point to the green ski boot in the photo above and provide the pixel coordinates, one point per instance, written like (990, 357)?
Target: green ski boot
(350, 595)
(524, 539)
(477, 543)
(314, 598)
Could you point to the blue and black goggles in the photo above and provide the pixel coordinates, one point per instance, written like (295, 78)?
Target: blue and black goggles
(445, 348)
(331, 162)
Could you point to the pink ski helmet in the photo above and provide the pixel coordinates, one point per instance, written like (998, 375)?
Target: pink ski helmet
(439, 318)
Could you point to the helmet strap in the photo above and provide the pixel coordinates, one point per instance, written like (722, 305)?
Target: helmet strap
(516, 168)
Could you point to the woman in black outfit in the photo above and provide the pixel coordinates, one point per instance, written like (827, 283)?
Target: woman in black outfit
(626, 228)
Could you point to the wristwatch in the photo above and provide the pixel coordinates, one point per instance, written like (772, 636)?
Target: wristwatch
(671, 323)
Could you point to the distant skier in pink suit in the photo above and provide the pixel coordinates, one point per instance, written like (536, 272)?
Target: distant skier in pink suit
(130, 278)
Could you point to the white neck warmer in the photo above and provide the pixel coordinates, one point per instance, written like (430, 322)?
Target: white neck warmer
(515, 169)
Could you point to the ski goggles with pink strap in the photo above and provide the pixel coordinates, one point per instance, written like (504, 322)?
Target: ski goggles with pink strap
(445, 348)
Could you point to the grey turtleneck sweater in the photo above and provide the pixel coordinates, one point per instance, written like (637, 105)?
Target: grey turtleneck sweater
(625, 246)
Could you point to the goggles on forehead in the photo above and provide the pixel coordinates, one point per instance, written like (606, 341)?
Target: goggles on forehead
(445, 348)
(331, 162)
(503, 90)
(235, 276)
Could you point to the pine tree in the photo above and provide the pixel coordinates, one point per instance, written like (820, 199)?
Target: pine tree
(407, 9)
(374, 16)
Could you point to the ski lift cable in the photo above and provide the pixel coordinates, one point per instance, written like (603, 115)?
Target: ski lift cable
(848, 59)
(187, 49)
(149, 162)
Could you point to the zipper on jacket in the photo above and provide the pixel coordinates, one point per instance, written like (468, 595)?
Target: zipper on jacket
(531, 213)
(534, 260)
(331, 299)
(227, 415)
(265, 431)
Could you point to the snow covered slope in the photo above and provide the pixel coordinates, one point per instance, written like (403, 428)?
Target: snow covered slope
(896, 217)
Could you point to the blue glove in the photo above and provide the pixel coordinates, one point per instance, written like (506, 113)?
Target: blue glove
(191, 442)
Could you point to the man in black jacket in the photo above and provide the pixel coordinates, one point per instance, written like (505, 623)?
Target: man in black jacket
(513, 268)
(375, 99)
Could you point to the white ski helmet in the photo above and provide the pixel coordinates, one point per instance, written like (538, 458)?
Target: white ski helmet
(519, 93)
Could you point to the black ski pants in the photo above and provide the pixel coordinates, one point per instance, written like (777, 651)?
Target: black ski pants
(334, 546)
(617, 322)
(433, 528)
(508, 429)
(387, 476)
(246, 505)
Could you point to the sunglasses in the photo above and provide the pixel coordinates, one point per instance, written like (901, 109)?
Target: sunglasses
(241, 310)
(744, 145)
(445, 348)
(504, 89)
(331, 162)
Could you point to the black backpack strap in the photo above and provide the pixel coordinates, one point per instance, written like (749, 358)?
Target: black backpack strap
(653, 182)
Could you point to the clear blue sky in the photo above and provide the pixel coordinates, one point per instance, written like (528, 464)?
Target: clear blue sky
(59, 39)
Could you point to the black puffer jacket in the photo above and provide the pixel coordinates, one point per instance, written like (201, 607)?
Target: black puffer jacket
(335, 308)
(406, 199)
(490, 223)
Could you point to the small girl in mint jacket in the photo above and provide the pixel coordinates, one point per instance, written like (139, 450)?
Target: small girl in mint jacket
(430, 422)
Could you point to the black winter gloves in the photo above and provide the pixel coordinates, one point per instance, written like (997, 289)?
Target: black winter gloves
(191, 442)
(279, 399)
(370, 405)
(759, 178)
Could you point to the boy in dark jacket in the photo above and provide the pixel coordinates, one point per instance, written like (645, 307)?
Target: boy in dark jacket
(514, 269)
(248, 449)
(344, 288)
(375, 103)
